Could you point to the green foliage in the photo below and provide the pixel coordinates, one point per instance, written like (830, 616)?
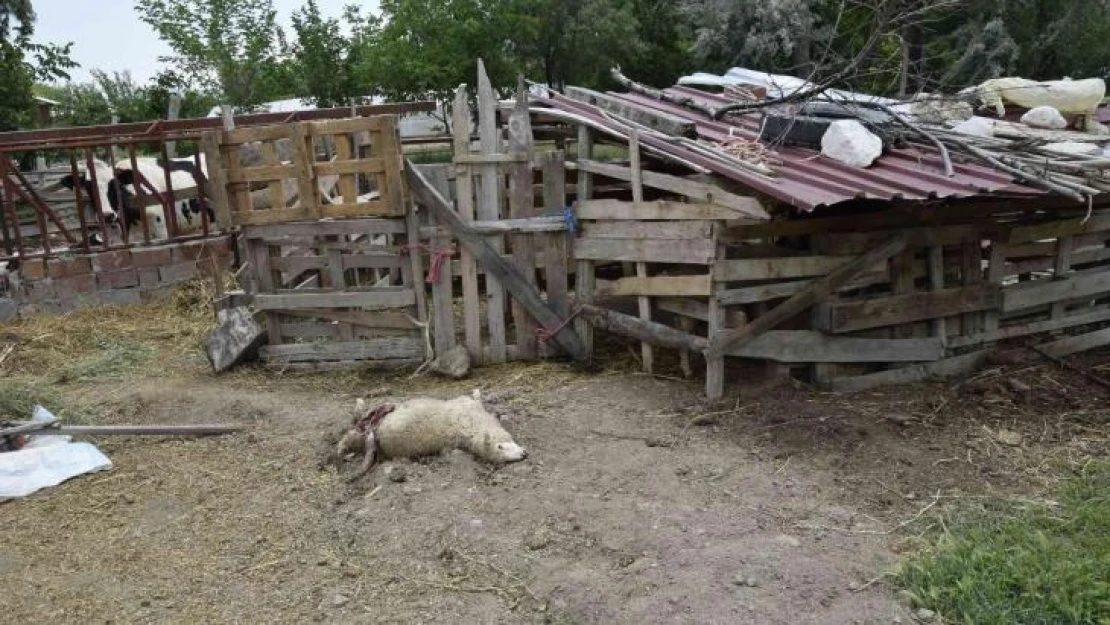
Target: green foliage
(322, 59)
(229, 47)
(112, 360)
(1031, 564)
(22, 61)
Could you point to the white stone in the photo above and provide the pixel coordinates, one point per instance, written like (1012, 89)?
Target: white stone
(976, 126)
(1044, 117)
(849, 142)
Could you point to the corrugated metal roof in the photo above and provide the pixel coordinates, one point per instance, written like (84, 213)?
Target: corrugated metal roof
(808, 180)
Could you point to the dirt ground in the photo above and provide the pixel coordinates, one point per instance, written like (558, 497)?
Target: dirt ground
(638, 503)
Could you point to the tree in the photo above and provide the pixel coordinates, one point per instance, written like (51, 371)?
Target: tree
(322, 58)
(230, 47)
(79, 104)
(22, 61)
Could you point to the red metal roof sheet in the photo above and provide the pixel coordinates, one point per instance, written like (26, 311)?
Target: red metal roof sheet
(807, 179)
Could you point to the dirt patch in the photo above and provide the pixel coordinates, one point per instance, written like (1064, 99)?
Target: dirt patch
(638, 504)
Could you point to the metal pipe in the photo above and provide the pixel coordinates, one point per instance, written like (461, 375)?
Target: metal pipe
(96, 196)
(139, 193)
(80, 202)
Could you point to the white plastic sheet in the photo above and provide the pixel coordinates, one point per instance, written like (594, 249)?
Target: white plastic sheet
(46, 461)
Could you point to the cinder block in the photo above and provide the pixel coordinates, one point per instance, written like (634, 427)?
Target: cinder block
(71, 287)
(67, 267)
(154, 256)
(188, 251)
(39, 290)
(178, 272)
(117, 279)
(111, 261)
(149, 278)
(121, 297)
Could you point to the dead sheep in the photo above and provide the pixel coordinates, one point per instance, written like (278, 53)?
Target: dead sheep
(426, 427)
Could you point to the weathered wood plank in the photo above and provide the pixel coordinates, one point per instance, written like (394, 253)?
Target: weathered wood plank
(657, 209)
(326, 228)
(370, 349)
(1042, 292)
(742, 207)
(670, 230)
(656, 120)
(642, 330)
(443, 300)
(1098, 315)
(697, 309)
(552, 166)
(717, 329)
(378, 320)
(852, 316)
(656, 286)
(495, 266)
(489, 208)
(647, 355)
(802, 300)
(464, 187)
(325, 366)
(1075, 344)
(1059, 228)
(584, 270)
(347, 167)
(509, 226)
(948, 367)
(521, 198)
(681, 251)
(803, 346)
(744, 269)
(379, 298)
(1060, 269)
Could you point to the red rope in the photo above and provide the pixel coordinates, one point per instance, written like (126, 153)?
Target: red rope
(544, 335)
(438, 257)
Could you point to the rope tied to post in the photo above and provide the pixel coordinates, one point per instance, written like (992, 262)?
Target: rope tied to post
(438, 257)
(543, 335)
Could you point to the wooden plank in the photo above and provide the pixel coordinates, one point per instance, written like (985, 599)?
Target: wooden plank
(443, 300)
(1060, 269)
(378, 320)
(344, 365)
(489, 159)
(657, 209)
(297, 264)
(742, 207)
(489, 208)
(648, 229)
(1042, 292)
(902, 281)
(348, 186)
(384, 260)
(584, 270)
(852, 316)
(370, 349)
(665, 286)
(272, 216)
(697, 309)
(494, 265)
(1000, 334)
(264, 279)
(935, 259)
(804, 346)
(1059, 228)
(1075, 344)
(521, 198)
(468, 267)
(552, 166)
(842, 243)
(326, 228)
(371, 208)
(346, 166)
(683, 251)
(377, 299)
(745, 269)
(972, 274)
(802, 300)
(210, 143)
(656, 120)
(647, 356)
(945, 368)
(256, 133)
(760, 293)
(304, 155)
(351, 125)
(264, 173)
(510, 226)
(415, 278)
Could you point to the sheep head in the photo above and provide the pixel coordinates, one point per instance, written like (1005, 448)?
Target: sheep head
(497, 444)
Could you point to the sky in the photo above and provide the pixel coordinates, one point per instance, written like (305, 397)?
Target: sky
(108, 35)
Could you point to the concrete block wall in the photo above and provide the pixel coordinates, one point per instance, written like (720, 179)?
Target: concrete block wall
(113, 278)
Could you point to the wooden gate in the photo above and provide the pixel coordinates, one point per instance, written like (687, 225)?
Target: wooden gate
(327, 242)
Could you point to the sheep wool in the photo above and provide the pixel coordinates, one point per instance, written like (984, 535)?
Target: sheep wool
(422, 427)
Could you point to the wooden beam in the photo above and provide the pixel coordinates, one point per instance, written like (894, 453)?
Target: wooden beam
(658, 209)
(493, 263)
(784, 268)
(804, 346)
(1075, 344)
(681, 251)
(697, 309)
(745, 207)
(799, 302)
(656, 286)
(948, 367)
(1036, 327)
(649, 332)
(1042, 292)
(852, 316)
(662, 122)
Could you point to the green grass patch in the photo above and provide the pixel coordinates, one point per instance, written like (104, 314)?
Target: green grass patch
(112, 360)
(1027, 564)
(18, 398)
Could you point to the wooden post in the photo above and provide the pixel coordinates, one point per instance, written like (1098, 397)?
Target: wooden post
(972, 253)
(521, 206)
(171, 114)
(443, 301)
(936, 283)
(584, 271)
(1060, 269)
(644, 302)
(995, 274)
(464, 188)
(716, 319)
(489, 208)
(554, 171)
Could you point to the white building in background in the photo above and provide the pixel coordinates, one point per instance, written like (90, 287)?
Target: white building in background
(412, 124)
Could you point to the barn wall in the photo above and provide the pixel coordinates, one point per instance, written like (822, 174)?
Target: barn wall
(118, 277)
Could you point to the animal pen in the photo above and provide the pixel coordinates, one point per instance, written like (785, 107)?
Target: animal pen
(698, 238)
